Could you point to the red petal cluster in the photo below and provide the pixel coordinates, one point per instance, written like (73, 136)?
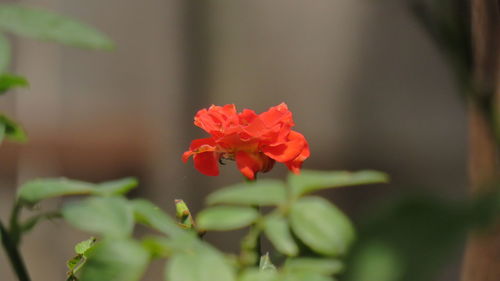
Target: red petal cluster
(255, 141)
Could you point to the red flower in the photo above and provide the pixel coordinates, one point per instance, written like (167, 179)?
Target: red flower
(254, 141)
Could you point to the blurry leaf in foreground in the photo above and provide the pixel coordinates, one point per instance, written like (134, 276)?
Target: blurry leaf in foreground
(115, 187)
(412, 238)
(309, 181)
(202, 263)
(318, 265)
(321, 226)
(255, 274)
(108, 216)
(39, 189)
(149, 214)
(11, 130)
(115, 260)
(261, 192)
(45, 25)
(278, 232)
(226, 218)
(157, 246)
(11, 81)
(378, 262)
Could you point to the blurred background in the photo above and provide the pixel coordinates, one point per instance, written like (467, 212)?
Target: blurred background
(366, 84)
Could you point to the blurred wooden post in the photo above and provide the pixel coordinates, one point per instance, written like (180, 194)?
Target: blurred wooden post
(482, 255)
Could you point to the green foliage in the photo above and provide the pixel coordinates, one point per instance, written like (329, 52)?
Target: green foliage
(82, 247)
(254, 274)
(278, 232)
(39, 189)
(183, 214)
(157, 246)
(75, 263)
(33, 191)
(411, 238)
(314, 265)
(147, 213)
(107, 216)
(265, 263)
(309, 181)
(11, 81)
(45, 25)
(199, 263)
(321, 226)
(115, 260)
(116, 187)
(226, 217)
(295, 225)
(261, 193)
(11, 130)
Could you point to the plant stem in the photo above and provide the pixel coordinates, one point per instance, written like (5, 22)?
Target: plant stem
(254, 228)
(14, 224)
(13, 254)
(250, 246)
(258, 242)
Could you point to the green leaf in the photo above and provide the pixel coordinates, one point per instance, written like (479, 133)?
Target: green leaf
(158, 247)
(254, 274)
(12, 130)
(31, 222)
(2, 131)
(317, 265)
(226, 218)
(321, 226)
(4, 53)
(261, 192)
(74, 261)
(183, 214)
(108, 216)
(10, 81)
(45, 25)
(309, 181)
(305, 276)
(278, 232)
(202, 263)
(147, 213)
(379, 262)
(115, 260)
(82, 247)
(39, 189)
(116, 187)
(265, 263)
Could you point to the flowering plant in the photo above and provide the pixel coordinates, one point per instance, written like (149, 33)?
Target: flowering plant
(254, 141)
(309, 235)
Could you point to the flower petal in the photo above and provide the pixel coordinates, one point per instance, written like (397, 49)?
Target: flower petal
(270, 126)
(217, 119)
(277, 115)
(199, 146)
(296, 164)
(247, 116)
(284, 152)
(206, 163)
(248, 164)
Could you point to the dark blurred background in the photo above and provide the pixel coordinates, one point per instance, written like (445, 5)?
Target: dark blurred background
(366, 84)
